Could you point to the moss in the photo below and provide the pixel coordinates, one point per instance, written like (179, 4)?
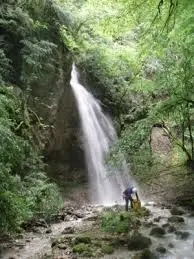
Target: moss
(82, 248)
(82, 239)
(107, 249)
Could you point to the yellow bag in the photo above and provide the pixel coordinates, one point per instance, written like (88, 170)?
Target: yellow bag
(136, 204)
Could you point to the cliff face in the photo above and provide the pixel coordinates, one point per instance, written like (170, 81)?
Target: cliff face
(54, 102)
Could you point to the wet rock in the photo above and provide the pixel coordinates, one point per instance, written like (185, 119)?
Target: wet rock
(182, 234)
(62, 246)
(148, 224)
(171, 229)
(170, 245)
(145, 254)
(168, 207)
(67, 218)
(166, 225)
(176, 219)
(137, 241)
(68, 230)
(48, 231)
(176, 211)
(161, 249)
(157, 232)
(157, 219)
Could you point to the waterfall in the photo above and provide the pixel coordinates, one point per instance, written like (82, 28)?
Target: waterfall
(106, 183)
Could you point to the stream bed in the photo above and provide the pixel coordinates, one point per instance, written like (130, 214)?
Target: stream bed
(176, 243)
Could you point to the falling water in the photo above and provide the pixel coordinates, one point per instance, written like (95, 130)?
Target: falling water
(106, 184)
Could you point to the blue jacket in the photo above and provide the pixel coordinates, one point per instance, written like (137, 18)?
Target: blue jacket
(128, 192)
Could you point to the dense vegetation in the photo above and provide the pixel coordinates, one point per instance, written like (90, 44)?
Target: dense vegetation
(138, 58)
(29, 43)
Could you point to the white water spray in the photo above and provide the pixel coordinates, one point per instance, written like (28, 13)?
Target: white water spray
(106, 184)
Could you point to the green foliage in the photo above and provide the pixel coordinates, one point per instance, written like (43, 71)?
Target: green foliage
(107, 249)
(121, 222)
(115, 222)
(4, 67)
(83, 249)
(25, 191)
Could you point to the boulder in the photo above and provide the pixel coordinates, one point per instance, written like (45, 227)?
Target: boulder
(182, 234)
(157, 232)
(170, 245)
(136, 241)
(171, 229)
(161, 249)
(176, 211)
(176, 219)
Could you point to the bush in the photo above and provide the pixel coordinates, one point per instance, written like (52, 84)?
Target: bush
(115, 222)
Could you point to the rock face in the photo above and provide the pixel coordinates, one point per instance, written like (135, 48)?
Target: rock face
(53, 101)
(160, 143)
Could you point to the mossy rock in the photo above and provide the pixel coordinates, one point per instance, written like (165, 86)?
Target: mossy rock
(82, 239)
(107, 249)
(145, 254)
(138, 242)
(82, 248)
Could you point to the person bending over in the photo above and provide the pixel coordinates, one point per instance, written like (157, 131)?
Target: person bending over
(127, 195)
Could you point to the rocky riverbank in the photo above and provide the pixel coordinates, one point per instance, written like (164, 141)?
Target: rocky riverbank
(155, 231)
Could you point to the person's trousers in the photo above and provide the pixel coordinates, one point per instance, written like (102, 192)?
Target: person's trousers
(127, 199)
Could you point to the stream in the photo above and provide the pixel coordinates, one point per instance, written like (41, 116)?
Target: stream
(37, 245)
